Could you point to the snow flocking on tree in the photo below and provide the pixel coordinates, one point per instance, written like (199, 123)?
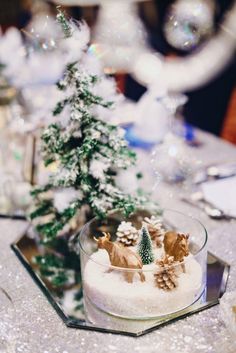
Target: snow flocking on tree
(86, 147)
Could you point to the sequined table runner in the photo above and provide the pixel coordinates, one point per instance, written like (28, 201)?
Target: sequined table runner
(28, 323)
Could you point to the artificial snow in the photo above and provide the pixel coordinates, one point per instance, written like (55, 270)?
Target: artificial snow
(111, 293)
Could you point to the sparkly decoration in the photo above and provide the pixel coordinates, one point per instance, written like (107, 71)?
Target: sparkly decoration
(145, 247)
(195, 70)
(119, 41)
(188, 23)
(127, 234)
(166, 277)
(228, 311)
(170, 160)
(160, 107)
(152, 104)
(155, 228)
(42, 34)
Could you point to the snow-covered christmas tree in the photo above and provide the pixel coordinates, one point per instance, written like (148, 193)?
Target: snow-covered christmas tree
(87, 150)
(145, 247)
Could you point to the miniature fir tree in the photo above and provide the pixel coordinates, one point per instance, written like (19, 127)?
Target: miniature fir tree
(145, 247)
(86, 150)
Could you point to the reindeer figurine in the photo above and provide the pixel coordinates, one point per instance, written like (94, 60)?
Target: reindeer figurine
(176, 245)
(121, 256)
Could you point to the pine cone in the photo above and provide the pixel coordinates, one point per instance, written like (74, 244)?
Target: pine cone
(127, 234)
(166, 277)
(155, 229)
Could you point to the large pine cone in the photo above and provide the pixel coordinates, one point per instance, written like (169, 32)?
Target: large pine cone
(166, 277)
(155, 229)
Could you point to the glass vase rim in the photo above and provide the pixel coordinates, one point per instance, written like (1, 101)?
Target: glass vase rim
(89, 256)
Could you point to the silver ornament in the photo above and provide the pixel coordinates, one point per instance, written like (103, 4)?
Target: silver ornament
(188, 22)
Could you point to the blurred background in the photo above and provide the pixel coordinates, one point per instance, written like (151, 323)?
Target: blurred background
(212, 104)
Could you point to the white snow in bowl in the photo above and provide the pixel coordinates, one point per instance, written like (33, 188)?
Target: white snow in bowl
(111, 293)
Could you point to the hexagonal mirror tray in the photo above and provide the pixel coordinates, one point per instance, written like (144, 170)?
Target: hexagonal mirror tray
(78, 312)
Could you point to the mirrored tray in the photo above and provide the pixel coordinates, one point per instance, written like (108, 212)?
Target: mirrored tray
(78, 312)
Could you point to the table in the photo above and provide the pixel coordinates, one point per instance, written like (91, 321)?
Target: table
(33, 326)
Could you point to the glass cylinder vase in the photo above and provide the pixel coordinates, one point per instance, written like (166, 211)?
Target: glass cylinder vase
(147, 291)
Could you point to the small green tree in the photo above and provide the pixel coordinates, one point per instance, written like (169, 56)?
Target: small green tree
(145, 247)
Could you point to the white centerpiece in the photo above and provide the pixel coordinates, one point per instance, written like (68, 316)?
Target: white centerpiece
(145, 266)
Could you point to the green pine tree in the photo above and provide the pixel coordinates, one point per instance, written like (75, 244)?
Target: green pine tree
(87, 151)
(145, 247)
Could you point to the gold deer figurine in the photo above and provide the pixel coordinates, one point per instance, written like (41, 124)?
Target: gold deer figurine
(176, 245)
(121, 256)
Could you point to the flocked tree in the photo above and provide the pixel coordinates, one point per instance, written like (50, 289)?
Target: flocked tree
(86, 150)
(145, 247)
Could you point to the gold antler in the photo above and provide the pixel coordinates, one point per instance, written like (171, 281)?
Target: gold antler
(107, 235)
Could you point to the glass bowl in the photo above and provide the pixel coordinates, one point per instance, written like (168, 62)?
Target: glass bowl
(122, 291)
